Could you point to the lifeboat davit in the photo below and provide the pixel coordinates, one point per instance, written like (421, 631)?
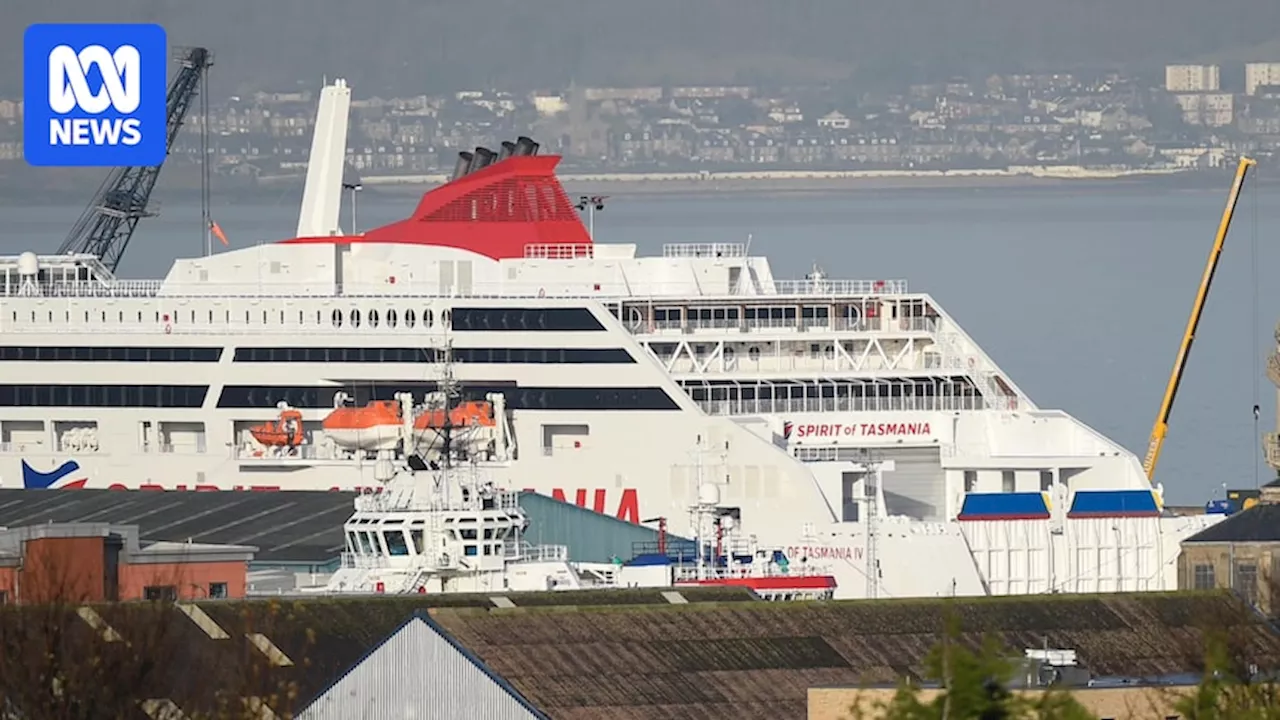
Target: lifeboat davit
(376, 426)
(285, 431)
(474, 414)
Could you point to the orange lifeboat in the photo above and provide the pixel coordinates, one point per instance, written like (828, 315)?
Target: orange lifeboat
(473, 414)
(376, 426)
(286, 431)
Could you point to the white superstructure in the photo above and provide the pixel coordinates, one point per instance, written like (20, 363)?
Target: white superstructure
(856, 409)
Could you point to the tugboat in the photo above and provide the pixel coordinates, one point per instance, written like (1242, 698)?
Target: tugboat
(437, 527)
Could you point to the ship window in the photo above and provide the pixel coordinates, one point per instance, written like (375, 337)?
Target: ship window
(408, 319)
(371, 543)
(488, 533)
(524, 319)
(337, 318)
(391, 318)
(65, 395)
(488, 549)
(355, 318)
(373, 318)
(396, 545)
(109, 354)
(518, 398)
(468, 533)
(353, 545)
(470, 550)
(416, 536)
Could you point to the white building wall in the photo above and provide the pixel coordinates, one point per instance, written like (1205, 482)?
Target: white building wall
(1191, 78)
(417, 675)
(1261, 74)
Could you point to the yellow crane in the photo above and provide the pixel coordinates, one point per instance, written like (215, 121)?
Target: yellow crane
(1161, 428)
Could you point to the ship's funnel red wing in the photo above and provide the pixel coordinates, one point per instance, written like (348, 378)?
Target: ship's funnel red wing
(495, 211)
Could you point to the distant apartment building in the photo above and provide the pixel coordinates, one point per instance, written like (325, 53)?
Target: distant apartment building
(712, 91)
(1191, 78)
(548, 105)
(1260, 75)
(640, 94)
(1208, 109)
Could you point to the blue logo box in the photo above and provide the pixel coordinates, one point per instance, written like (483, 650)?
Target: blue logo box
(94, 95)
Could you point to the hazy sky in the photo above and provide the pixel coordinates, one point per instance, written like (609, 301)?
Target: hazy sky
(409, 46)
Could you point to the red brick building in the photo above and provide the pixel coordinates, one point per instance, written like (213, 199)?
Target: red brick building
(88, 562)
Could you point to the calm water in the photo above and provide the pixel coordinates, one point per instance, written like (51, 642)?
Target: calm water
(1080, 295)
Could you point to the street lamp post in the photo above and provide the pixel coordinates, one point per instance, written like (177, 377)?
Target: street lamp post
(354, 188)
(590, 204)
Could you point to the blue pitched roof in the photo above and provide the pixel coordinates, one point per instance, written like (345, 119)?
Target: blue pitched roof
(1005, 506)
(1114, 503)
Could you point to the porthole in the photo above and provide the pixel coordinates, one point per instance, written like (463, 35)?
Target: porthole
(391, 318)
(446, 319)
(355, 318)
(337, 318)
(753, 353)
(408, 318)
(373, 318)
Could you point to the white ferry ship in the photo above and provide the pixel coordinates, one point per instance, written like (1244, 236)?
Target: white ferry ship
(847, 420)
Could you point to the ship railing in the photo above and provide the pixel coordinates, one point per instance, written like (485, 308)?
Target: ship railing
(526, 552)
(355, 561)
(704, 250)
(826, 287)
(686, 572)
(84, 288)
(558, 251)
(399, 288)
(875, 324)
(783, 406)
(180, 448)
(297, 452)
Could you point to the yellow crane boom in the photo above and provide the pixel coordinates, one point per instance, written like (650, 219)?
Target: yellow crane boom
(1156, 444)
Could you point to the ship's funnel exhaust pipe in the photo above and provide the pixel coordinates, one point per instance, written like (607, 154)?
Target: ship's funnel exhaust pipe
(461, 167)
(483, 157)
(508, 149)
(526, 146)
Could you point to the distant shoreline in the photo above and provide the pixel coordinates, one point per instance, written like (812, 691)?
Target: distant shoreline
(275, 189)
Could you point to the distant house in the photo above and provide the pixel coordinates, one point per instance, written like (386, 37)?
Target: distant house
(834, 120)
(1241, 553)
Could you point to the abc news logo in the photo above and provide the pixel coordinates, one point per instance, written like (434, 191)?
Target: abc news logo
(94, 94)
(69, 91)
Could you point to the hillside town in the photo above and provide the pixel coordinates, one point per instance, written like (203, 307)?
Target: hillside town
(1191, 120)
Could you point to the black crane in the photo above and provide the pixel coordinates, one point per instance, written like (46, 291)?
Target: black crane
(105, 227)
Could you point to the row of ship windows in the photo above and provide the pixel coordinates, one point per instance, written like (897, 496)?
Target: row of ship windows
(315, 355)
(432, 355)
(906, 387)
(519, 398)
(474, 319)
(244, 397)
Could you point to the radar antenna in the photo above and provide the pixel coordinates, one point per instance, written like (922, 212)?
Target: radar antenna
(107, 225)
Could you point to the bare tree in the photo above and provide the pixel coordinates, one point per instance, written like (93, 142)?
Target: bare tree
(63, 657)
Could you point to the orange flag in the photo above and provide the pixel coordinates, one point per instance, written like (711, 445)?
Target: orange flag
(217, 232)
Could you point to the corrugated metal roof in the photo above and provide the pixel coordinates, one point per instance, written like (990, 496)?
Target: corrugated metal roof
(284, 526)
(294, 526)
(589, 535)
(640, 657)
